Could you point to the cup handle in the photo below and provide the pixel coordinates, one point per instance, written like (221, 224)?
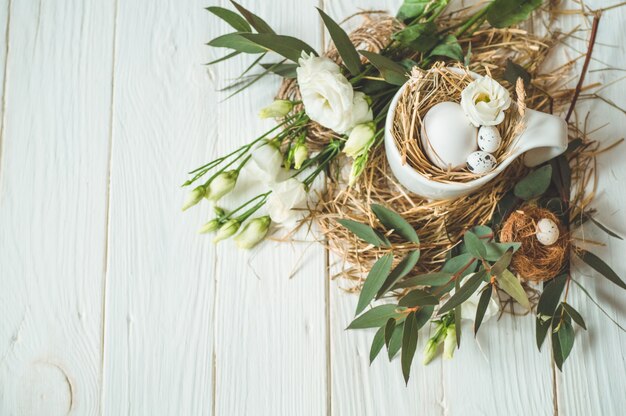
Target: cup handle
(544, 138)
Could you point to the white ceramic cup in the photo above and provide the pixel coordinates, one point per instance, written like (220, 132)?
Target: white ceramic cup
(544, 137)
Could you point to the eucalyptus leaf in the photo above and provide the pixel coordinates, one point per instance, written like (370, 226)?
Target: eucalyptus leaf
(420, 37)
(281, 69)
(391, 71)
(483, 303)
(259, 24)
(233, 19)
(541, 330)
(457, 324)
(514, 71)
(377, 344)
(409, 344)
(464, 292)
(600, 266)
(505, 13)
(483, 231)
(605, 229)
(562, 176)
(390, 326)
(394, 221)
(565, 336)
(534, 184)
(574, 314)
(449, 47)
(375, 279)
(418, 297)
(402, 269)
(430, 279)
(412, 9)
(236, 42)
(365, 233)
(287, 46)
(474, 245)
(509, 283)
(395, 343)
(344, 45)
(549, 299)
(502, 263)
(223, 58)
(375, 317)
(497, 250)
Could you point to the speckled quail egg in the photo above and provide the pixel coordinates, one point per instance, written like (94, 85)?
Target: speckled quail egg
(547, 231)
(480, 162)
(489, 139)
(447, 137)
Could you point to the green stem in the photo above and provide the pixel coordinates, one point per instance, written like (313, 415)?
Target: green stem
(254, 209)
(477, 18)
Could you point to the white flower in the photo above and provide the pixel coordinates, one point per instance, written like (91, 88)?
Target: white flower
(286, 202)
(279, 108)
(222, 184)
(469, 307)
(229, 228)
(328, 96)
(300, 154)
(359, 139)
(266, 162)
(194, 197)
(484, 102)
(253, 232)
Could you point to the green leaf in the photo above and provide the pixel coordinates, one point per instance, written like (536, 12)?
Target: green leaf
(423, 315)
(564, 338)
(548, 302)
(420, 37)
(344, 45)
(233, 19)
(223, 58)
(414, 9)
(514, 71)
(283, 70)
(534, 184)
(458, 326)
(541, 330)
(464, 292)
(483, 303)
(395, 343)
(497, 250)
(604, 228)
(430, 279)
(391, 71)
(573, 313)
(259, 24)
(586, 292)
(390, 326)
(402, 269)
(409, 344)
(502, 263)
(509, 283)
(375, 279)
(418, 297)
(237, 42)
(505, 13)
(377, 344)
(287, 46)
(375, 317)
(474, 245)
(600, 266)
(483, 231)
(449, 47)
(365, 233)
(464, 264)
(394, 221)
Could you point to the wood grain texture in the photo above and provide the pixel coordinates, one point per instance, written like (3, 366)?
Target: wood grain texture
(52, 205)
(160, 285)
(270, 314)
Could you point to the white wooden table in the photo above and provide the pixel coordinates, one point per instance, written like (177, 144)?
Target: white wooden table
(111, 303)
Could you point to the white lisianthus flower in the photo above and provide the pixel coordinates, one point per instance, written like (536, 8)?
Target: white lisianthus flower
(221, 185)
(279, 108)
(359, 139)
(328, 96)
(286, 202)
(484, 102)
(253, 232)
(469, 307)
(194, 197)
(266, 162)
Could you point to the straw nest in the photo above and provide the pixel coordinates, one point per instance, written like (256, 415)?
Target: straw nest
(440, 224)
(533, 261)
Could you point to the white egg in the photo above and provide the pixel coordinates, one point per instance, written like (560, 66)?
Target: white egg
(489, 139)
(481, 162)
(547, 231)
(447, 137)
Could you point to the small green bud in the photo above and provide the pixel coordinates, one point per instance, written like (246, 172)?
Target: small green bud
(194, 197)
(279, 108)
(300, 154)
(220, 212)
(229, 228)
(360, 139)
(449, 343)
(210, 226)
(253, 232)
(221, 185)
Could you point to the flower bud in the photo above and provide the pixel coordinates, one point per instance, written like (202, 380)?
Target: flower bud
(210, 226)
(253, 232)
(219, 211)
(357, 168)
(229, 228)
(430, 351)
(279, 108)
(194, 197)
(221, 185)
(300, 154)
(360, 139)
(449, 343)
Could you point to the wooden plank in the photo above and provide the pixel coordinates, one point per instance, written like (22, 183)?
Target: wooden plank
(270, 316)
(593, 381)
(160, 282)
(53, 185)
